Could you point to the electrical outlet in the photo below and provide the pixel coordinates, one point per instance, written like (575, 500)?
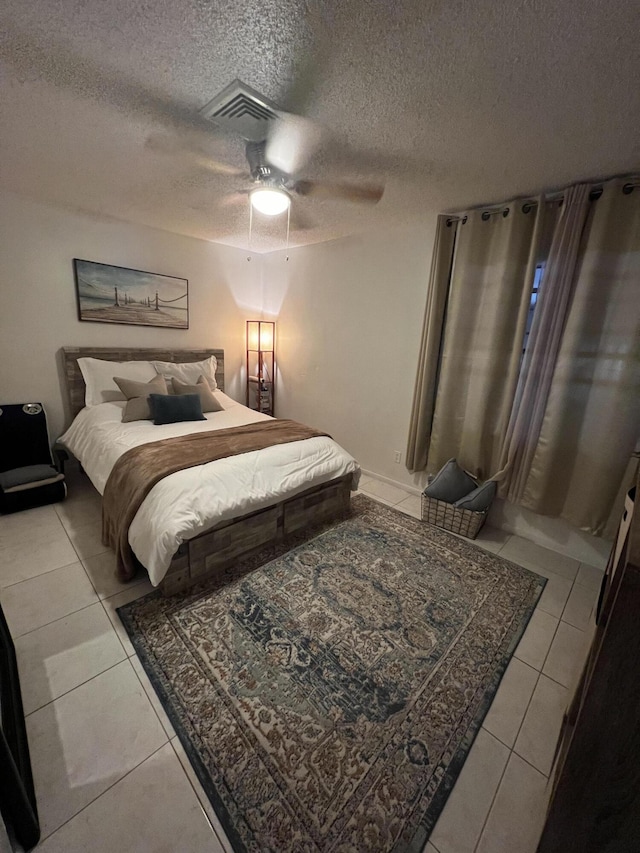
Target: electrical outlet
(397, 456)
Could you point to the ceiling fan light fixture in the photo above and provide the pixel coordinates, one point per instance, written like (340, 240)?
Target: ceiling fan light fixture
(269, 200)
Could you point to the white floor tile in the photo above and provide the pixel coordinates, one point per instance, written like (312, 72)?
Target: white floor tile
(153, 809)
(539, 559)
(85, 509)
(536, 640)
(580, 608)
(430, 848)
(41, 553)
(102, 573)
(35, 602)
(20, 527)
(567, 655)
(58, 657)
(555, 594)
(378, 499)
(589, 576)
(153, 697)
(83, 503)
(511, 702)
(411, 505)
(385, 492)
(202, 797)
(460, 824)
(87, 740)
(492, 539)
(538, 736)
(86, 539)
(118, 600)
(517, 816)
(364, 479)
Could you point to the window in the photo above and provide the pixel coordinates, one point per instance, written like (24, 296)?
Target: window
(537, 278)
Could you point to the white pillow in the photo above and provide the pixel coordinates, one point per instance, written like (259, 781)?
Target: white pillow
(190, 371)
(98, 378)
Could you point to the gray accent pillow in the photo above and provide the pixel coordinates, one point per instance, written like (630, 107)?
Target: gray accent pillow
(29, 477)
(137, 394)
(201, 388)
(450, 483)
(479, 500)
(167, 409)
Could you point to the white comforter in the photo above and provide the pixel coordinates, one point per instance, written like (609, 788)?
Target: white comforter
(184, 504)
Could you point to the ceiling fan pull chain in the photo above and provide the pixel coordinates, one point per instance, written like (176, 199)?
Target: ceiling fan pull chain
(288, 223)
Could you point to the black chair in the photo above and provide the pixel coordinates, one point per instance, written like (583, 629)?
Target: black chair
(28, 476)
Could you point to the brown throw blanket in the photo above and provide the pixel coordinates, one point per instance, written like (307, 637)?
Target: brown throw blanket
(139, 469)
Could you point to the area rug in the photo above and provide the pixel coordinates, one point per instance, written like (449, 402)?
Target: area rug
(327, 695)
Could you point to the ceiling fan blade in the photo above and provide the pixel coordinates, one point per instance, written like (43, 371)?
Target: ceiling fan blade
(163, 144)
(293, 139)
(291, 143)
(363, 193)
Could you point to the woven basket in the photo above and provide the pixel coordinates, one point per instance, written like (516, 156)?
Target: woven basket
(466, 522)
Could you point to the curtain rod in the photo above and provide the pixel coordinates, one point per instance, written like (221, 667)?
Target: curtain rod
(594, 194)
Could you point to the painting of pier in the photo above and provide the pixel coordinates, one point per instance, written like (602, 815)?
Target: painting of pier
(108, 294)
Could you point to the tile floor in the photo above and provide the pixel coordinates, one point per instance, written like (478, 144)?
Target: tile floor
(110, 773)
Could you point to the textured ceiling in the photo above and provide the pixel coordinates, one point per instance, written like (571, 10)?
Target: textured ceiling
(450, 104)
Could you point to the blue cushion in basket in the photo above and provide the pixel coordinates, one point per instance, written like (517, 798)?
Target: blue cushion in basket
(450, 483)
(479, 500)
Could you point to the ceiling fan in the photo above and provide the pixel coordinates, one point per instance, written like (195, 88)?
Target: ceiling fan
(278, 145)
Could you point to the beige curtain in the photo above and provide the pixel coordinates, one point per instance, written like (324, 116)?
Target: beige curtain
(592, 417)
(543, 346)
(489, 299)
(426, 379)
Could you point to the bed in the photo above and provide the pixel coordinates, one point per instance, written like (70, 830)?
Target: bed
(198, 521)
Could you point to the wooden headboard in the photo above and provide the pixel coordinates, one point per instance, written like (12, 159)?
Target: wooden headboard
(75, 382)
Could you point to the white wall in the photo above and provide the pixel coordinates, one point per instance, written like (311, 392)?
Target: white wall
(349, 318)
(38, 313)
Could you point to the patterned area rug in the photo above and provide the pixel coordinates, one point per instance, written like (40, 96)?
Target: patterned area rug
(327, 695)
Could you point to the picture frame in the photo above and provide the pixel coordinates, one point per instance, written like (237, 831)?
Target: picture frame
(110, 294)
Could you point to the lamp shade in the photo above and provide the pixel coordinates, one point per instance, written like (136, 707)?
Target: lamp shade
(261, 340)
(266, 336)
(260, 335)
(269, 200)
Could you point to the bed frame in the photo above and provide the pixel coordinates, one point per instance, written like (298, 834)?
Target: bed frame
(219, 547)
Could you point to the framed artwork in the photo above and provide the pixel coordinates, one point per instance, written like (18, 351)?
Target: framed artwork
(108, 294)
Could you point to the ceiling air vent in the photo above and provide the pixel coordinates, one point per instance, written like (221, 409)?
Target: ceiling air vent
(241, 109)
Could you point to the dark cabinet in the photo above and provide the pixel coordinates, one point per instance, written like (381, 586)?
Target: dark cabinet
(595, 803)
(17, 796)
